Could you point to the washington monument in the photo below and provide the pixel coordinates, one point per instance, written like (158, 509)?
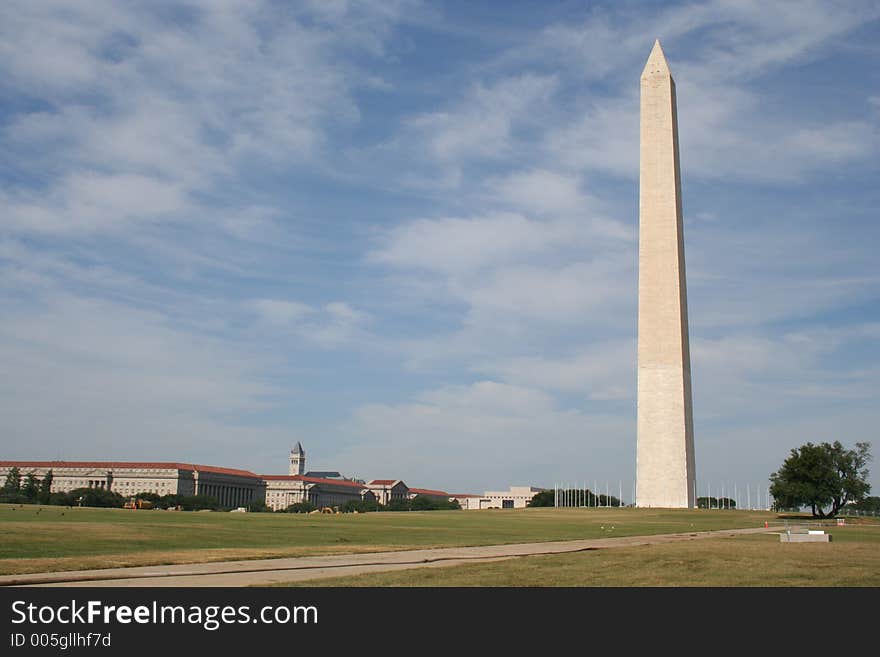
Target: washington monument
(665, 451)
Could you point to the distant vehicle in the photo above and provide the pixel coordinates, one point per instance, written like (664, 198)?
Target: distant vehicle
(137, 504)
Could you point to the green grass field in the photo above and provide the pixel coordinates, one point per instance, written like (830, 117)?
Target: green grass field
(41, 539)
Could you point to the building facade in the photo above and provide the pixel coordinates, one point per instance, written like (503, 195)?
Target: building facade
(231, 487)
(517, 497)
(234, 488)
(388, 490)
(284, 490)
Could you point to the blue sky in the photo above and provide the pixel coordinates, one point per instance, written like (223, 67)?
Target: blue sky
(405, 233)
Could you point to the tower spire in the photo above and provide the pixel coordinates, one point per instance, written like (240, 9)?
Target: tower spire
(297, 460)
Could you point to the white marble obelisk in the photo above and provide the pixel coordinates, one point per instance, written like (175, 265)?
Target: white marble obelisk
(665, 451)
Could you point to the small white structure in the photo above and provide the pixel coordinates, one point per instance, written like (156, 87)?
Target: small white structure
(517, 497)
(811, 536)
(471, 502)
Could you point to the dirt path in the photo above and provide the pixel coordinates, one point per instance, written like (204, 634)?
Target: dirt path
(263, 572)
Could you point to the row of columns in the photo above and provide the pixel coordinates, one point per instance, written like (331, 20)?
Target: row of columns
(228, 496)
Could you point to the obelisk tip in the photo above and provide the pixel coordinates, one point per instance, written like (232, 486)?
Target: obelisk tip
(656, 64)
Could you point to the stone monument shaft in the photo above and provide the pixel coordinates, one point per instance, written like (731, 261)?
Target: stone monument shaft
(665, 444)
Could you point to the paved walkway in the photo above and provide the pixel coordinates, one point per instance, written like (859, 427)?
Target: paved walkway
(263, 572)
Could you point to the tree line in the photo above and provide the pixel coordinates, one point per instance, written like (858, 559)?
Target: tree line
(585, 497)
(716, 503)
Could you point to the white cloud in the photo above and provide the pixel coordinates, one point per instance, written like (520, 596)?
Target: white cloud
(87, 378)
(491, 397)
(171, 102)
(540, 191)
(571, 293)
(453, 244)
(605, 138)
(485, 123)
(278, 311)
(726, 131)
(333, 325)
(494, 433)
(88, 201)
(601, 371)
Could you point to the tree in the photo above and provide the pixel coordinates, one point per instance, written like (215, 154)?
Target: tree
(13, 481)
(870, 504)
(96, 497)
(199, 503)
(257, 506)
(153, 498)
(822, 476)
(301, 507)
(31, 487)
(46, 488)
(716, 503)
(399, 504)
(360, 506)
(544, 498)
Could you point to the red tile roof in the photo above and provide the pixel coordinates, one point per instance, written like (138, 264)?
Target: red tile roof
(382, 482)
(140, 465)
(428, 491)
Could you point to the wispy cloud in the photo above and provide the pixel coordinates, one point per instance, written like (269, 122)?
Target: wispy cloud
(412, 231)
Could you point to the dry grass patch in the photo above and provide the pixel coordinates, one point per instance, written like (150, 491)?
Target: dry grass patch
(758, 560)
(166, 557)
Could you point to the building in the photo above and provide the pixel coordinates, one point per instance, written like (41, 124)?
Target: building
(517, 497)
(231, 487)
(324, 474)
(237, 488)
(469, 501)
(284, 490)
(388, 490)
(321, 488)
(427, 492)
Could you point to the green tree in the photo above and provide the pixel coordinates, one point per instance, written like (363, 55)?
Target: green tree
(31, 487)
(171, 501)
(13, 480)
(96, 497)
(544, 498)
(871, 504)
(360, 506)
(257, 506)
(154, 498)
(428, 503)
(301, 507)
(823, 476)
(46, 488)
(399, 504)
(716, 503)
(199, 503)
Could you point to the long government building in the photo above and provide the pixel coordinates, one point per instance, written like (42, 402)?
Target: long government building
(232, 488)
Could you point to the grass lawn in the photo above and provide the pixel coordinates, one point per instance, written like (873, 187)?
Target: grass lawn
(852, 559)
(40, 539)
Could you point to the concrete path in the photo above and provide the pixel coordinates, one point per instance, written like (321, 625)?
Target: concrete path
(263, 572)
